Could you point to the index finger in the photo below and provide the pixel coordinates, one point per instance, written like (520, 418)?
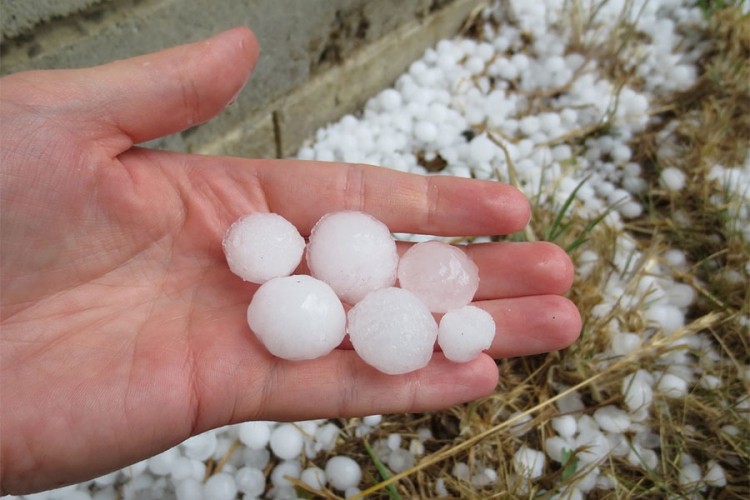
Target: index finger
(303, 191)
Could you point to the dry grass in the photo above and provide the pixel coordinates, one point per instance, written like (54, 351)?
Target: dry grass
(714, 129)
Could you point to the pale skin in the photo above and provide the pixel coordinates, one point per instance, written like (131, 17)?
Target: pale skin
(124, 332)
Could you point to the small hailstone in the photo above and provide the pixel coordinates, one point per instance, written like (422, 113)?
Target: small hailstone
(184, 468)
(325, 436)
(594, 446)
(314, 477)
(464, 333)
(565, 425)
(461, 471)
(286, 441)
(392, 330)
(390, 99)
(672, 386)
(352, 492)
(556, 447)
(161, 464)
(257, 459)
(372, 420)
(250, 481)
(254, 435)
(287, 468)
(529, 125)
(529, 463)
(189, 489)
(673, 179)
(612, 419)
(624, 343)
(200, 447)
(440, 489)
(416, 447)
(262, 246)
(482, 149)
(297, 317)
(441, 275)
(354, 253)
(400, 460)
(343, 472)
(714, 475)
(690, 475)
(221, 486)
(681, 295)
(394, 441)
(426, 131)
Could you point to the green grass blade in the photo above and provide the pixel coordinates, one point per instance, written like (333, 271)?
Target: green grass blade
(383, 471)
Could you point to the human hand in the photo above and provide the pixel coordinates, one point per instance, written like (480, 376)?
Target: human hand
(123, 330)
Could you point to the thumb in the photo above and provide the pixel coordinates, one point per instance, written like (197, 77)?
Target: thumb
(171, 90)
(157, 94)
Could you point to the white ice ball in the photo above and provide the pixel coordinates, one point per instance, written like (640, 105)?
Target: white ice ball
(441, 275)
(297, 317)
(612, 419)
(221, 486)
(250, 481)
(314, 477)
(287, 441)
(465, 332)
(254, 435)
(200, 447)
(262, 246)
(482, 149)
(354, 253)
(287, 468)
(392, 330)
(343, 472)
(529, 463)
(673, 179)
(189, 489)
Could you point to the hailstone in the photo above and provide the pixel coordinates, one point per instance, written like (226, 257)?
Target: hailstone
(464, 333)
(354, 253)
(262, 246)
(297, 317)
(441, 275)
(392, 330)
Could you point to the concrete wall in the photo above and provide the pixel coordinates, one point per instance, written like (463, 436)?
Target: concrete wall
(319, 58)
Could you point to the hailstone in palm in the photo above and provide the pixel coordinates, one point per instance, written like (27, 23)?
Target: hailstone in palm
(297, 317)
(392, 330)
(441, 275)
(354, 253)
(465, 332)
(262, 246)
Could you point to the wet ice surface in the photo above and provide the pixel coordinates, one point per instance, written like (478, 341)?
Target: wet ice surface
(354, 253)
(441, 275)
(465, 332)
(297, 317)
(392, 330)
(262, 246)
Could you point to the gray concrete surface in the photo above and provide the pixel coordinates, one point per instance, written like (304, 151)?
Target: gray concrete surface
(22, 16)
(301, 42)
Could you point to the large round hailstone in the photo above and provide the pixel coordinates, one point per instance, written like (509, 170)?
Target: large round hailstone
(464, 333)
(343, 472)
(263, 246)
(354, 253)
(392, 330)
(297, 317)
(441, 275)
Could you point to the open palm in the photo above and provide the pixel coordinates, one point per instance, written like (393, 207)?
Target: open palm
(123, 331)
